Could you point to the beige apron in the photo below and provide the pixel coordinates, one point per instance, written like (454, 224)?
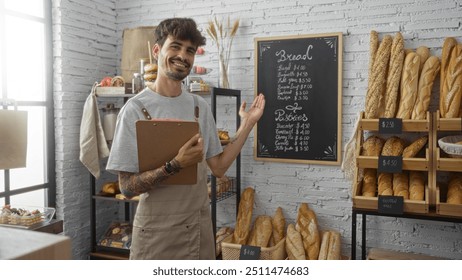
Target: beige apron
(174, 222)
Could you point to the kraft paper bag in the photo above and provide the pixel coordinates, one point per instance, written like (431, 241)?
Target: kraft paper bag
(13, 139)
(134, 48)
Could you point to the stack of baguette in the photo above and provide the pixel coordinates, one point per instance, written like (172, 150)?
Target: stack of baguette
(451, 79)
(400, 82)
(410, 185)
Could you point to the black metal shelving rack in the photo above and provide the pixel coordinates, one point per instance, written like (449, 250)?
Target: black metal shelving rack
(236, 94)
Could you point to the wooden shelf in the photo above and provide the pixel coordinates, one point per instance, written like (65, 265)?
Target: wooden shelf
(408, 125)
(102, 255)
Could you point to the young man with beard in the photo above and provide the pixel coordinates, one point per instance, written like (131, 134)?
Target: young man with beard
(174, 221)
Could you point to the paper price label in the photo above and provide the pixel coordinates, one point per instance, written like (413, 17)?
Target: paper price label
(390, 126)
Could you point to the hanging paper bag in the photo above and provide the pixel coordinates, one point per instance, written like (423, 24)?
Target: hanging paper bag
(13, 139)
(134, 48)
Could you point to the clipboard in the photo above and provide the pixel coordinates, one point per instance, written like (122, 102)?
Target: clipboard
(159, 141)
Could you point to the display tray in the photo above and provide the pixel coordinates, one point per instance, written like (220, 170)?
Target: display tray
(408, 125)
(415, 163)
(118, 235)
(25, 216)
(448, 124)
(446, 163)
(410, 206)
(110, 91)
(443, 208)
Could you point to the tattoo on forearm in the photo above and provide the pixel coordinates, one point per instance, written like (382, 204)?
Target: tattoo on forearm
(138, 183)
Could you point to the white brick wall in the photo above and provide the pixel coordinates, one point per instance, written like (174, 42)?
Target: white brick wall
(87, 40)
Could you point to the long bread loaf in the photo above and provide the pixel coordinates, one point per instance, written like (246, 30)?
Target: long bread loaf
(244, 217)
(448, 45)
(395, 69)
(409, 82)
(401, 184)
(452, 87)
(377, 79)
(279, 226)
(369, 182)
(294, 244)
(307, 225)
(415, 147)
(416, 185)
(426, 79)
(424, 53)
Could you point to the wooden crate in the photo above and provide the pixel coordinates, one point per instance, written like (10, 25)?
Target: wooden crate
(410, 206)
(446, 209)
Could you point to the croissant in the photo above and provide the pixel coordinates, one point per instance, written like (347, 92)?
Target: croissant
(223, 135)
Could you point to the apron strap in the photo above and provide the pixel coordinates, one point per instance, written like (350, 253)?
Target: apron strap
(143, 110)
(148, 116)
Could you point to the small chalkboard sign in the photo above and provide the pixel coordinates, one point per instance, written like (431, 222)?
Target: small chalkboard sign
(301, 78)
(389, 204)
(390, 126)
(249, 252)
(390, 164)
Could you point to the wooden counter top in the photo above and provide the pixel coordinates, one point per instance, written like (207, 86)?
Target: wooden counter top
(22, 244)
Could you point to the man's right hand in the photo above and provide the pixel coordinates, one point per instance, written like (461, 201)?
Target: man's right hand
(192, 152)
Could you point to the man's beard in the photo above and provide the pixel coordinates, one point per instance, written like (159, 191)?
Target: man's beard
(176, 75)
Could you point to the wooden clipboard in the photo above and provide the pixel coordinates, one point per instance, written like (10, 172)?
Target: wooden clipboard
(159, 141)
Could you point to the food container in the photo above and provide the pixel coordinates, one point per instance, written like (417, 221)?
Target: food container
(450, 146)
(25, 216)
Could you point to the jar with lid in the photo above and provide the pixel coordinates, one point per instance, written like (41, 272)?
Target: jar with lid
(137, 83)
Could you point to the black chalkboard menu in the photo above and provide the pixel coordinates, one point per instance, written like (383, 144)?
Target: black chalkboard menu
(301, 78)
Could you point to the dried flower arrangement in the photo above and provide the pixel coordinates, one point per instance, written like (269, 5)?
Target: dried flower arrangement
(223, 37)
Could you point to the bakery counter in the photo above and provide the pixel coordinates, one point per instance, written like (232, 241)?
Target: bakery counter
(21, 244)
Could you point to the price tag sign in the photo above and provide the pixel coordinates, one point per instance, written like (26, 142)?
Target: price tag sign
(389, 204)
(390, 164)
(249, 252)
(390, 126)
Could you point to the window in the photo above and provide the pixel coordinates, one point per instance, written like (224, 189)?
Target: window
(26, 78)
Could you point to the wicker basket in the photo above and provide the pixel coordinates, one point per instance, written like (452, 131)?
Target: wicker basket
(231, 251)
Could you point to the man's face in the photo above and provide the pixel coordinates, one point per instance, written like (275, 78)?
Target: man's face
(175, 59)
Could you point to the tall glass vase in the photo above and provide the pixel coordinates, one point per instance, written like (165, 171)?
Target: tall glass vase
(223, 80)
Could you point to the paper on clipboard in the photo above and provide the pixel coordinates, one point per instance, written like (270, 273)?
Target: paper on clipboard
(159, 141)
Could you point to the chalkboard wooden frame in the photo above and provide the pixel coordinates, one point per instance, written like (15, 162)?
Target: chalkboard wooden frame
(277, 58)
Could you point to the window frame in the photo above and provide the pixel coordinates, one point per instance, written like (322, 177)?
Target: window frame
(49, 185)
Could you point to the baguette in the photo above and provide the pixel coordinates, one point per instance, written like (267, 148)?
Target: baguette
(385, 184)
(307, 225)
(369, 182)
(409, 83)
(294, 244)
(377, 79)
(324, 246)
(454, 195)
(424, 53)
(416, 185)
(244, 217)
(448, 45)
(426, 80)
(395, 69)
(452, 87)
(262, 231)
(415, 147)
(401, 184)
(334, 246)
(279, 225)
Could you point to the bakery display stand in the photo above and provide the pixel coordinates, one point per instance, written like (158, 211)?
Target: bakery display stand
(104, 252)
(216, 92)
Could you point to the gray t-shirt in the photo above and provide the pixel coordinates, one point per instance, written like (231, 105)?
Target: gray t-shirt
(124, 153)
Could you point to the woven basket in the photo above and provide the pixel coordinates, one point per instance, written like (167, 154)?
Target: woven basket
(231, 251)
